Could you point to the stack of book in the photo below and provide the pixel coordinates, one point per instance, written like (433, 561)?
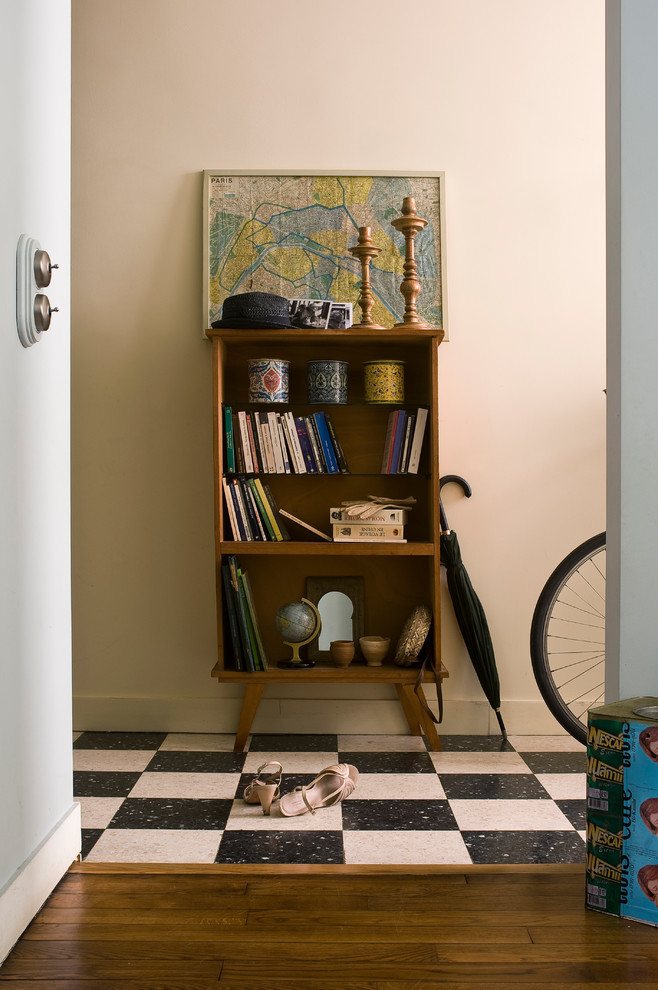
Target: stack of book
(244, 648)
(257, 442)
(404, 441)
(252, 511)
(383, 526)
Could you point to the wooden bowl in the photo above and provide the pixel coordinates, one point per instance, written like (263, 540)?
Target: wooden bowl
(341, 652)
(374, 649)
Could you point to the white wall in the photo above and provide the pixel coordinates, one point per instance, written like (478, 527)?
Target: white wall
(508, 99)
(632, 348)
(39, 825)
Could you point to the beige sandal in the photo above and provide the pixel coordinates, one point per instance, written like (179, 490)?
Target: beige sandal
(266, 788)
(330, 787)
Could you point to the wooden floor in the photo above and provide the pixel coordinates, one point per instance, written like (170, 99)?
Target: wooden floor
(344, 928)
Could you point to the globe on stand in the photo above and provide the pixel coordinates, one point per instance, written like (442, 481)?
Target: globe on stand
(298, 623)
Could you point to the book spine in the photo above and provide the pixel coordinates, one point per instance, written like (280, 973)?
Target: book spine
(242, 509)
(284, 446)
(232, 618)
(397, 442)
(417, 442)
(366, 531)
(246, 445)
(388, 442)
(267, 443)
(276, 443)
(228, 441)
(295, 447)
(251, 512)
(249, 494)
(268, 515)
(291, 451)
(254, 619)
(305, 444)
(252, 444)
(255, 432)
(248, 621)
(242, 619)
(262, 511)
(359, 539)
(282, 528)
(406, 446)
(237, 511)
(311, 430)
(258, 426)
(396, 517)
(325, 439)
(237, 444)
(340, 456)
(305, 525)
(230, 510)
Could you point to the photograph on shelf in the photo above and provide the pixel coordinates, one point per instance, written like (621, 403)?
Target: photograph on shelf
(290, 235)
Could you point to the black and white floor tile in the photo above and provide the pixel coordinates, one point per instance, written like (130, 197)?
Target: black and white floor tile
(156, 797)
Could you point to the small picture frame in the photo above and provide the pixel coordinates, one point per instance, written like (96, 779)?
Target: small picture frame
(340, 601)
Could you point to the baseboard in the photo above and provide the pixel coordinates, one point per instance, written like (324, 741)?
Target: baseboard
(35, 880)
(378, 715)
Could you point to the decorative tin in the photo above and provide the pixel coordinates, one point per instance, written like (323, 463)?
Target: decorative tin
(269, 380)
(383, 381)
(327, 382)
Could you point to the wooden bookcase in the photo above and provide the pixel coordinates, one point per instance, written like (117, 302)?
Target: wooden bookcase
(396, 576)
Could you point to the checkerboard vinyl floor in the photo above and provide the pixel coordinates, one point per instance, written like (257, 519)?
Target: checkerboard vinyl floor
(149, 797)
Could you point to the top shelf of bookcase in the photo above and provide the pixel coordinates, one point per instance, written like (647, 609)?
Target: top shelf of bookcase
(305, 336)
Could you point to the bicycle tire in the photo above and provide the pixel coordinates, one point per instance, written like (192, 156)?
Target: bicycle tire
(567, 636)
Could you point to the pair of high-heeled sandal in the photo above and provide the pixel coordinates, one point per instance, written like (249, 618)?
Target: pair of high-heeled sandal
(330, 787)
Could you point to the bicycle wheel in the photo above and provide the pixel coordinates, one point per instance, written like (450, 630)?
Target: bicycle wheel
(567, 636)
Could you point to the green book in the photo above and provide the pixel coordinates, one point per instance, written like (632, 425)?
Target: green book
(265, 519)
(228, 438)
(251, 610)
(241, 614)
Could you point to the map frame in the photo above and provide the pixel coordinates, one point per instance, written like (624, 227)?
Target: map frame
(402, 183)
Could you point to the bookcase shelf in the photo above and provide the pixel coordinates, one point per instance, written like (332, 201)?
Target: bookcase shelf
(329, 549)
(396, 576)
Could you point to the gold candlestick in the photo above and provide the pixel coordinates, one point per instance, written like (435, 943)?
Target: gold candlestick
(410, 224)
(365, 251)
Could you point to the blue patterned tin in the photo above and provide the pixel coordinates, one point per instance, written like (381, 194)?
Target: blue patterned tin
(327, 382)
(269, 380)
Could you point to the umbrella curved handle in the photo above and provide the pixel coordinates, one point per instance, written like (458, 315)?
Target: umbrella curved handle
(446, 480)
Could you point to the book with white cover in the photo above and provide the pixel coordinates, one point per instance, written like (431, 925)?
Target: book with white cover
(368, 532)
(246, 446)
(392, 516)
(417, 442)
(295, 446)
(276, 443)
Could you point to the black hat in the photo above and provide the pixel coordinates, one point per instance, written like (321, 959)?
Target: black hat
(254, 309)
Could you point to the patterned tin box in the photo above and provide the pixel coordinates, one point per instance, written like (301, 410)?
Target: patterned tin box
(269, 380)
(327, 382)
(383, 381)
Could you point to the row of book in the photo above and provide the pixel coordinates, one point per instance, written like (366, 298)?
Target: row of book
(252, 510)
(259, 442)
(246, 646)
(385, 526)
(404, 441)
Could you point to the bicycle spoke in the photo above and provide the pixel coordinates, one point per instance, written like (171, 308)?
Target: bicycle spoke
(568, 636)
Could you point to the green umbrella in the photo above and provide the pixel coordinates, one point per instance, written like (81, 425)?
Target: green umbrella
(468, 608)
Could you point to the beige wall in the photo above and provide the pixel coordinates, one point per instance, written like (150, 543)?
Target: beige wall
(507, 98)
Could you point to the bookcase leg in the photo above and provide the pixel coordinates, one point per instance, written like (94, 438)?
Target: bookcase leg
(409, 707)
(428, 726)
(250, 702)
